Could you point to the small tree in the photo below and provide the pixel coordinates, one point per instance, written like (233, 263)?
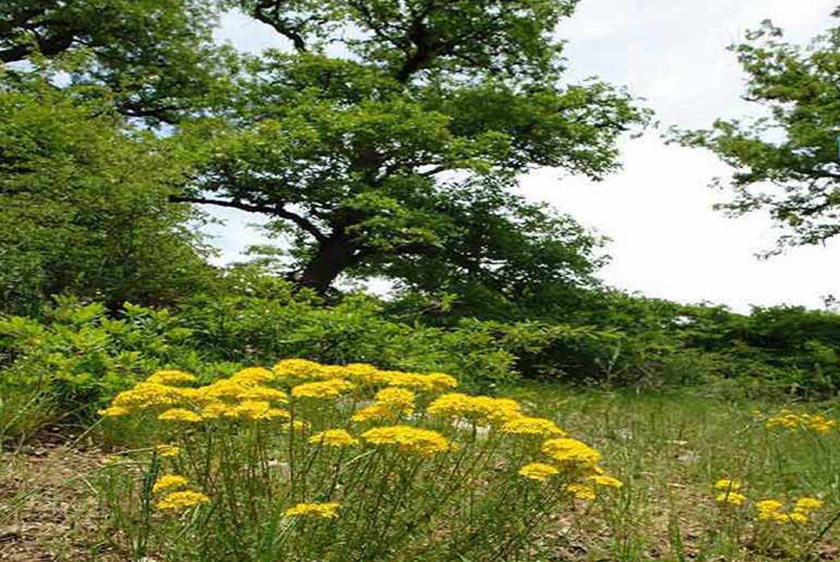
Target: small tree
(786, 162)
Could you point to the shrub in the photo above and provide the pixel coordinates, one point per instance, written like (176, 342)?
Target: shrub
(308, 462)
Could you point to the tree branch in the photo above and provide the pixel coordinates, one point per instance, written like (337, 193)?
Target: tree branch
(273, 210)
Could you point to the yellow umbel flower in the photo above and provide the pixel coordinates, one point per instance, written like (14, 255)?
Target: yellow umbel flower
(422, 383)
(538, 471)
(399, 399)
(252, 376)
(321, 510)
(256, 410)
(215, 410)
(147, 395)
(769, 510)
(177, 501)
(168, 450)
(606, 481)
(732, 498)
(581, 491)
(362, 373)
(169, 482)
(297, 368)
(532, 426)
(180, 414)
(806, 504)
(334, 438)
(377, 411)
(477, 408)
(263, 393)
(171, 376)
(726, 484)
(567, 450)
(114, 412)
(408, 439)
(322, 389)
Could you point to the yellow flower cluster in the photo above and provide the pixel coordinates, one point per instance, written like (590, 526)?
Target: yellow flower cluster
(408, 439)
(390, 404)
(318, 510)
(177, 498)
(810, 422)
(323, 389)
(771, 510)
(729, 494)
(481, 409)
(177, 501)
(538, 471)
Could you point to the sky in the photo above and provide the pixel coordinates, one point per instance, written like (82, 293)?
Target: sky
(666, 241)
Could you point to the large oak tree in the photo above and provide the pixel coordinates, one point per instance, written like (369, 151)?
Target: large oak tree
(387, 136)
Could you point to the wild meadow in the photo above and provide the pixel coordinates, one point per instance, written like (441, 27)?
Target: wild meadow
(274, 288)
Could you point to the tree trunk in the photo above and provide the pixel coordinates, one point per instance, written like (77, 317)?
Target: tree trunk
(335, 254)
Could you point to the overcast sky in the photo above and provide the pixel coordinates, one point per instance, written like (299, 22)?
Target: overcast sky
(666, 239)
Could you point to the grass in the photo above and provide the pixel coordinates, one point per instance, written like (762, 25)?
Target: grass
(668, 448)
(671, 448)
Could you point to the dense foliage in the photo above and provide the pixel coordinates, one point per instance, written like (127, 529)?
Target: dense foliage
(786, 162)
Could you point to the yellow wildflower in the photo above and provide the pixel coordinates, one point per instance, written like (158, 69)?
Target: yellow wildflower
(215, 410)
(477, 408)
(732, 498)
(252, 376)
(263, 393)
(567, 450)
(532, 426)
(606, 481)
(398, 398)
(378, 411)
(726, 484)
(581, 491)
(171, 376)
(180, 414)
(334, 438)
(423, 383)
(768, 510)
(408, 439)
(806, 504)
(168, 450)
(321, 510)
(322, 389)
(299, 368)
(362, 373)
(147, 395)
(181, 500)
(114, 412)
(169, 482)
(538, 471)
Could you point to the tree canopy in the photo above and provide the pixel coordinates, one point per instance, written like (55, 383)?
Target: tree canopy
(786, 162)
(388, 137)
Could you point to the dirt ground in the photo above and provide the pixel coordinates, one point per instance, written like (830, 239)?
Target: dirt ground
(49, 511)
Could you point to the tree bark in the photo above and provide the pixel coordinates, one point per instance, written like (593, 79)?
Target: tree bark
(335, 254)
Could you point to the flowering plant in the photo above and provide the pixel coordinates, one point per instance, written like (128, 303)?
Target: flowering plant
(309, 462)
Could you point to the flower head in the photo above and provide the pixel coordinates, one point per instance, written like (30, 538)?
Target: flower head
(321, 510)
(408, 439)
(571, 451)
(177, 501)
(538, 471)
(168, 450)
(532, 426)
(169, 482)
(180, 414)
(322, 389)
(171, 377)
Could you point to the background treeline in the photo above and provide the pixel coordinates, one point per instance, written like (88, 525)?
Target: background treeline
(393, 154)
